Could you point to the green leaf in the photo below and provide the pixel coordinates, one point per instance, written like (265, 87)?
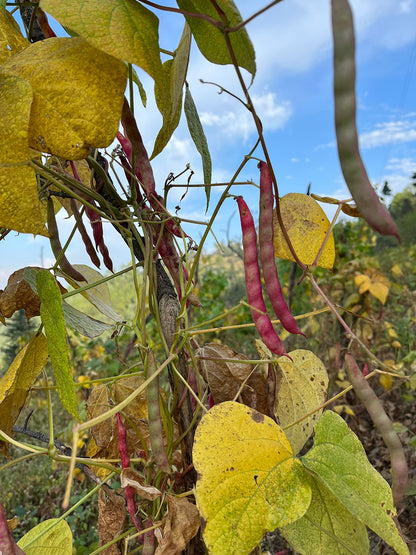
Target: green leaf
(169, 91)
(249, 482)
(76, 110)
(339, 462)
(20, 208)
(123, 28)
(52, 316)
(198, 136)
(210, 39)
(48, 538)
(326, 527)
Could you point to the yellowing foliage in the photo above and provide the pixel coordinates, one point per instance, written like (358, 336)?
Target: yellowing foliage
(20, 208)
(11, 39)
(19, 378)
(55, 536)
(375, 283)
(301, 387)
(249, 480)
(306, 225)
(73, 112)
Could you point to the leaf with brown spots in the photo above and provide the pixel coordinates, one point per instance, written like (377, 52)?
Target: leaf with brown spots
(249, 481)
(301, 387)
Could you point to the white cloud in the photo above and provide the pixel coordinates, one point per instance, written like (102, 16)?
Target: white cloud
(239, 122)
(401, 131)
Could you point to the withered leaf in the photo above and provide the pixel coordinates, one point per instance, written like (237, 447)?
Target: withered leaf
(17, 295)
(223, 377)
(123, 388)
(112, 519)
(129, 477)
(351, 210)
(181, 526)
(99, 403)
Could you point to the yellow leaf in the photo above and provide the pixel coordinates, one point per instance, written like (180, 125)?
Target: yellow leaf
(396, 270)
(122, 28)
(301, 387)
(249, 481)
(392, 333)
(55, 539)
(306, 225)
(379, 287)
(20, 208)
(11, 38)
(386, 381)
(76, 109)
(396, 344)
(17, 381)
(374, 282)
(363, 283)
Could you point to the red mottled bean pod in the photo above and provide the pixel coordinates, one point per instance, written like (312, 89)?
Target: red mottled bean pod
(253, 282)
(268, 265)
(355, 175)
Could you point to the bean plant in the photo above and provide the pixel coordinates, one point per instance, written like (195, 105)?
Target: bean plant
(192, 447)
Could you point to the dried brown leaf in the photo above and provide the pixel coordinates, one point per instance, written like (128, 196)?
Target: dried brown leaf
(123, 388)
(112, 518)
(17, 295)
(181, 526)
(129, 477)
(223, 377)
(99, 403)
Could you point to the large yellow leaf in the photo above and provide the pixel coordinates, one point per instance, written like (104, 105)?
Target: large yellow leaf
(20, 208)
(306, 225)
(11, 39)
(50, 537)
(123, 28)
(78, 95)
(301, 387)
(19, 378)
(249, 481)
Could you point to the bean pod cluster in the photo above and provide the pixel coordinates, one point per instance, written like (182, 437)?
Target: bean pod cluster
(254, 290)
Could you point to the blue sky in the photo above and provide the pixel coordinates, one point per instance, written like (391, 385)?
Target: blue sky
(293, 94)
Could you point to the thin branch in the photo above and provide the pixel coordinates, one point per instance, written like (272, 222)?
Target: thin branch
(183, 12)
(256, 14)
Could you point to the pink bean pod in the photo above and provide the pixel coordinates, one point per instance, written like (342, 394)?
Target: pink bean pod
(353, 169)
(253, 282)
(268, 265)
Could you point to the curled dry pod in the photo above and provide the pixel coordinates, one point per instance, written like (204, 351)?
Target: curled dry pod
(355, 175)
(56, 246)
(268, 265)
(253, 282)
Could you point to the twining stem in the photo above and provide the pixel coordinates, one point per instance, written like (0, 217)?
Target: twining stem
(259, 128)
(369, 399)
